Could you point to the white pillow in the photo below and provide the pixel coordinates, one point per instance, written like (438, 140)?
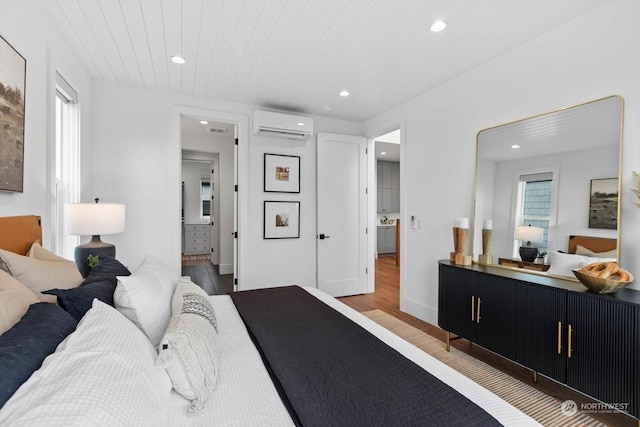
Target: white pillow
(562, 264)
(145, 297)
(189, 350)
(581, 250)
(42, 274)
(103, 374)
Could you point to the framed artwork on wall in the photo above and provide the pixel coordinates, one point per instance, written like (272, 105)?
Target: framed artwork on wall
(13, 68)
(281, 173)
(281, 220)
(603, 203)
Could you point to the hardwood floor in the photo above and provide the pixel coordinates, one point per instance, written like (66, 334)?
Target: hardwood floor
(206, 275)
(387, 298)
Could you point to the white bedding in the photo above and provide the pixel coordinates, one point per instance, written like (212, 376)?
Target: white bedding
(243, 396)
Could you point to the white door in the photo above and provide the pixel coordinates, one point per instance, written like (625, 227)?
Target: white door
(342, 214)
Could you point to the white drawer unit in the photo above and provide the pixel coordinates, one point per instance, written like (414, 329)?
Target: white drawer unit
(197, 239)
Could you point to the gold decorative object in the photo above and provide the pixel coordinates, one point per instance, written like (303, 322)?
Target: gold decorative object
(600, 285)
(485, 257)
(460, 236)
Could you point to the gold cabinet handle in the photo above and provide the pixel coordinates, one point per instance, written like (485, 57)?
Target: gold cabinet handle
(559, 337)
(473, 308)
(569, 350)
(478, 316)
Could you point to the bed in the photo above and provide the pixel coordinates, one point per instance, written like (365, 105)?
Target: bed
(582, 250)
(593, 245)
(272, 357)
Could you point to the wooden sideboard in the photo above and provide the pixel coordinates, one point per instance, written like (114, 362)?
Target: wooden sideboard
(554, 327)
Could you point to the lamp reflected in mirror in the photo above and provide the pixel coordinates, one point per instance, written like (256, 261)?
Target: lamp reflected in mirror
(528, 234)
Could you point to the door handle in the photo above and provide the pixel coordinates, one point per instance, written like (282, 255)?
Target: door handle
(478, 314)
(569, 348)
(473, 308)
(559, 337)
(323, 236)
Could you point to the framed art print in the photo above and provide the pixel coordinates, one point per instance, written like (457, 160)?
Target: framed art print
(281, 220)
(13, 69)
(603, 203)
(281, 173)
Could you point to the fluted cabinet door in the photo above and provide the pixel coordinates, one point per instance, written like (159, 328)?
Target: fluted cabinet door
(458, 294)
(495, 314)
(541, 329)
(601, 357)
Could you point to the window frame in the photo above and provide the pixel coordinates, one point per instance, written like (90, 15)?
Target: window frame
(518, 199)
(66, 167)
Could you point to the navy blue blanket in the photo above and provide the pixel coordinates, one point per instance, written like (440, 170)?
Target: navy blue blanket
(331, 371)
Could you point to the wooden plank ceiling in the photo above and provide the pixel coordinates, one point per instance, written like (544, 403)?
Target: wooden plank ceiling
(298, 55)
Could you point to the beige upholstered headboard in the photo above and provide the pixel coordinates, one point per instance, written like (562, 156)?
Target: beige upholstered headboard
(17, 233)
(595, 244)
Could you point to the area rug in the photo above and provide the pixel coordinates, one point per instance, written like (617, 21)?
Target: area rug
(539, 406)
(201, 257)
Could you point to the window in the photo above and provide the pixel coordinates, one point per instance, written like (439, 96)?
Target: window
(205, 197)
(67, 163)
(534, 207)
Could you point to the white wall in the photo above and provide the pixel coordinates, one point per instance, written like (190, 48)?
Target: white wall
(27, 28)
(586, 59)
(137, 158)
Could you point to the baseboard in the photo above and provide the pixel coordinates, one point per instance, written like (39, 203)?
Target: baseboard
(420, 310)
(225, 268)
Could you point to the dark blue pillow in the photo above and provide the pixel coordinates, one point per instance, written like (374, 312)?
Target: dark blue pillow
(100, 283)
(24, 347)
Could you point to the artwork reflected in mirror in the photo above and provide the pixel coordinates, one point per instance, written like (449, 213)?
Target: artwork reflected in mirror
(556, 171)
(603, 203)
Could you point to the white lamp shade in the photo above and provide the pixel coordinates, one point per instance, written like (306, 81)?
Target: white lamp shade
(91, 219)
(529, 234)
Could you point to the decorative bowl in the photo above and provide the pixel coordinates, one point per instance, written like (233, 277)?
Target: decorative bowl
(600, 285)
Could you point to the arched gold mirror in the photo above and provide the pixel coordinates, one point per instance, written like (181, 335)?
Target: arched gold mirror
(558, 172)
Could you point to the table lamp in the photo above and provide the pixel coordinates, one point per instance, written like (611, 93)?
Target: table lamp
(529, 234)
(93, 219)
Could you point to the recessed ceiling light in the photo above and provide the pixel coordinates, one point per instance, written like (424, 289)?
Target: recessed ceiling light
(178, 59)
(438, 26)
(344, 93)
(300, 124)
(204, 122)
(383, 153)
(515, 146)
(327, 107)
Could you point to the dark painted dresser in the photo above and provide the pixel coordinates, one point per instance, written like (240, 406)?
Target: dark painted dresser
(554, 327)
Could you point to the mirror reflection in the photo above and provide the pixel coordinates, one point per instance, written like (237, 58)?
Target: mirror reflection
(556, 174)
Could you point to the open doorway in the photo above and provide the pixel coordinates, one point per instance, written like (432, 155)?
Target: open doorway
(208, 203)
(388, 224)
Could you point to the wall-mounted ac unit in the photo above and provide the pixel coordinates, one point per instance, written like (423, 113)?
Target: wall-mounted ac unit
(267, 123)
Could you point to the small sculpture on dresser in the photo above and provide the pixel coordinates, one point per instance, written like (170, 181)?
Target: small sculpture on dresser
(460, 234)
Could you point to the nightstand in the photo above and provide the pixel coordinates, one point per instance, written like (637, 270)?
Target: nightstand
(518, 263)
